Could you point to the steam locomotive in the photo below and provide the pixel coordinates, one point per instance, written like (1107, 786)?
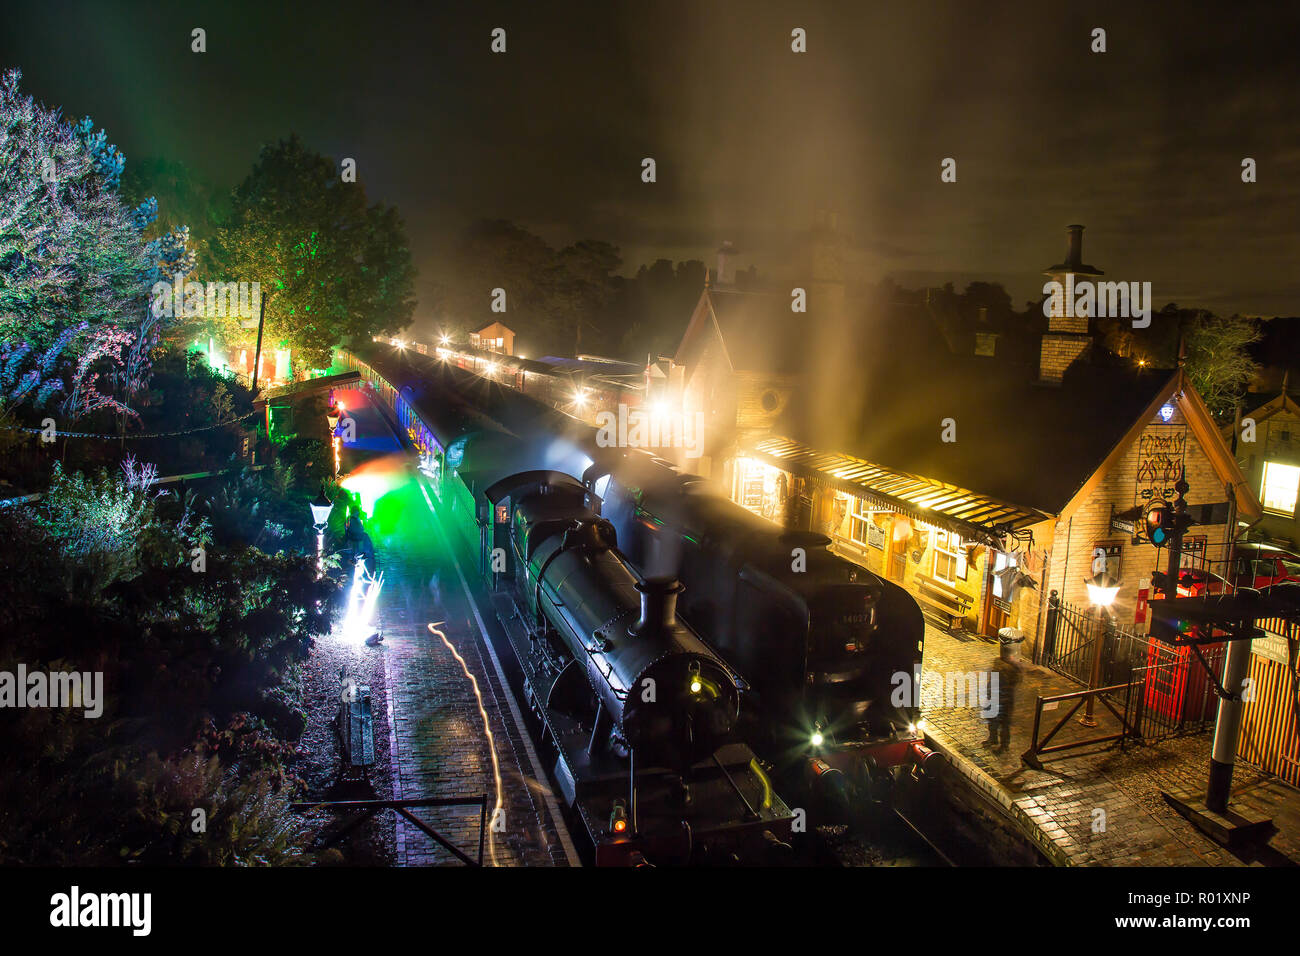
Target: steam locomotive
(822, 641)
(643, 715)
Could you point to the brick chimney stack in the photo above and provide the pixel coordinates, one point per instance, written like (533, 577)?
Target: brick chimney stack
(1067, 339)
(726, 264)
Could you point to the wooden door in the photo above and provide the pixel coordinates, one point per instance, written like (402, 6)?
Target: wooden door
(897, 562)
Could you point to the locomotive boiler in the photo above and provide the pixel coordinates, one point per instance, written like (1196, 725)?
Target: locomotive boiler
(642, 713)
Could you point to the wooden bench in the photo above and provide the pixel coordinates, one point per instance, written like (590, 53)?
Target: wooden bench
(355, 724)
(942, 598)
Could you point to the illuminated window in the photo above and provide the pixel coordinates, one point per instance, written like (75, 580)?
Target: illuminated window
(1278, 491)
(949, 557)
(1001, 562)
(859, 521)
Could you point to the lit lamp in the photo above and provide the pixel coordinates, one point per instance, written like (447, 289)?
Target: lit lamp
(321, 506)
(332, 416)
(1103, 588)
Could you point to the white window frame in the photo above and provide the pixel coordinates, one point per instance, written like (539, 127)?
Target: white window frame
(859, 515)
(949, 544)
(1263, 488)
(1001, 561)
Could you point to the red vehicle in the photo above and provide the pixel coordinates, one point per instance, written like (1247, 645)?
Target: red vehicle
(1261, 565)
(1255, 565)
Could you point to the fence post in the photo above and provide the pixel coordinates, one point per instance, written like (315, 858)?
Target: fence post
(1053, 618)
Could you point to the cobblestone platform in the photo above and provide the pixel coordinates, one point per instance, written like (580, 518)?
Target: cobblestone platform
(437, 743)
(1096, 806)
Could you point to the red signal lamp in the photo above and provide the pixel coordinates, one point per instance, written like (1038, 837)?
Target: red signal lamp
(618, 817)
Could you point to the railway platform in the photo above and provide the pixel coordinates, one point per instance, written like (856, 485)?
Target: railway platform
(433, 714)
(1097, 805)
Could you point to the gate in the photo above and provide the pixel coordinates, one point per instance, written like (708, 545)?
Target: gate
(1071, 641)
(1168, 690)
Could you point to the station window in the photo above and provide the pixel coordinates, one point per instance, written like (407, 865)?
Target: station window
(859, 522)
(1114, 552)
(949, 557)
(1278, 491)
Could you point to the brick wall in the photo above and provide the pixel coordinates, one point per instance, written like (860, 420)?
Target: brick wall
(1073, 540)
(1058, 352)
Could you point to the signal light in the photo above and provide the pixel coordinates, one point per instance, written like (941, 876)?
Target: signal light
(1159, 522)
(817, 739)
(696, 684)
(618, 817)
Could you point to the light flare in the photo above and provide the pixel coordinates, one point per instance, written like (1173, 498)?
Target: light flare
(487, 729)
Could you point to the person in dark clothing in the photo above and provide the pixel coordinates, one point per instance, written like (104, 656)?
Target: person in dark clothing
(1008, 671)
(352, 530)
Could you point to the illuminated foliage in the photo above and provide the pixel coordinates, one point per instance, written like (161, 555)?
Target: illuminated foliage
(329, 265)
(196, 666)
(75, 265)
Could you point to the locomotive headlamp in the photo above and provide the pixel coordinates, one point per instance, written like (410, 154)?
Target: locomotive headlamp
(618, 817)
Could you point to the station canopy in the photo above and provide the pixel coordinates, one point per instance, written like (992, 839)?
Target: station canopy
(974, 516)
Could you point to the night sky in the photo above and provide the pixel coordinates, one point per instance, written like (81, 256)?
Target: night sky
(1143, 143)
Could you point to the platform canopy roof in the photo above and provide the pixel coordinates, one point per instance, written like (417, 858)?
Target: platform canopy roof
(974, 516)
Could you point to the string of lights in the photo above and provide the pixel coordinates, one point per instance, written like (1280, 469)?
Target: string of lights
(184, 431)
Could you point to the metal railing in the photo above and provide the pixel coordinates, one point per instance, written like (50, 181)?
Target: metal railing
(369, 808)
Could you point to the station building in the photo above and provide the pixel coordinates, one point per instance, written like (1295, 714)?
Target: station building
(983, 482)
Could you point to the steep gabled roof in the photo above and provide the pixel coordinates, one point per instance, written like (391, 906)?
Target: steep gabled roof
(1274, 403)
(757, 332)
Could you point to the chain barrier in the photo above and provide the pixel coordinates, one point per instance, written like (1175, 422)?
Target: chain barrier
(186, 431)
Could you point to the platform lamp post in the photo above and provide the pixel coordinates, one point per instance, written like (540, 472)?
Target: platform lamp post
(321, 506)
(1102, 591)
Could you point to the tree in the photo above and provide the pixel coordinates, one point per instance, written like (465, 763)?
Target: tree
(329, 266)
(497, 254)
(1218, 360)
(76, 266)
(582, 288)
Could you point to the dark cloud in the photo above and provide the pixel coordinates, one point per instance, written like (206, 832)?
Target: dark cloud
(1142, 143)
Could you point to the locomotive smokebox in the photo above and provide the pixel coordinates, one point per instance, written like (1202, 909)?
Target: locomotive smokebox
(658, 605)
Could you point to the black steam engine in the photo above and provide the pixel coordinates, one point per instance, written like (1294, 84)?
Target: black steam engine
(642, 713)
(831, 651)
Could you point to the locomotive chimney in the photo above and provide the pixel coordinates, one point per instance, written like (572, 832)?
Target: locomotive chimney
(658, 604)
